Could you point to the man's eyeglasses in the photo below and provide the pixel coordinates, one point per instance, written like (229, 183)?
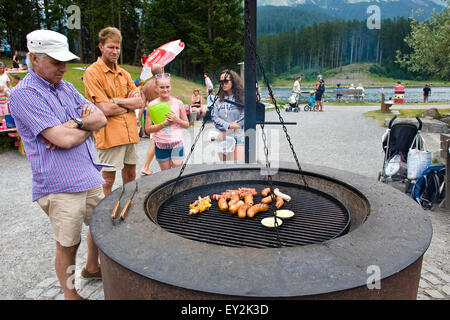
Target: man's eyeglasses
(162, 75)
(224, 81)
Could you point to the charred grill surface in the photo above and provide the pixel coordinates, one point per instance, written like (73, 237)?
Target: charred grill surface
(318, 218)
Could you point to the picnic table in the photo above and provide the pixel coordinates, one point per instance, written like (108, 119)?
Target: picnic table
(356, 94)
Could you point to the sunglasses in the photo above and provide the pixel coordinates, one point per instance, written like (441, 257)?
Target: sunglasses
(162, 75)
(224, 81)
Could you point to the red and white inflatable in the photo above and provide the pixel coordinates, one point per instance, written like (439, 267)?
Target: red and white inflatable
(399, 93)
(163, 55)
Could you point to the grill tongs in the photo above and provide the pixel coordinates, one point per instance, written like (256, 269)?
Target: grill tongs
(124, 212)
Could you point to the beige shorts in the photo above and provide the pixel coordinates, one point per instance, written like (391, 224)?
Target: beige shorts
(68, 211)
(119, 156)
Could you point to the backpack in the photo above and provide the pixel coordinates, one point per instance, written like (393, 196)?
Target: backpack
(430, 187)
(321, 88)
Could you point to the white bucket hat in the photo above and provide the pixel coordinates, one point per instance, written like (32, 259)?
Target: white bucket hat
(51, 43)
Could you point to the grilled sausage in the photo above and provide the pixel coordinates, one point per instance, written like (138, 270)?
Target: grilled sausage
(235, 207)
(278, 193)
(223, 205)
(242, 211)
(267, 200)
(265, 192)
(260, 207)
(248, 199)
(279, 203)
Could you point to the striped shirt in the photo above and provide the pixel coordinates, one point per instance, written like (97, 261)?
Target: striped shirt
(37, 105)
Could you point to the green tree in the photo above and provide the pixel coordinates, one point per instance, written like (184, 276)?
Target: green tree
(430, 44)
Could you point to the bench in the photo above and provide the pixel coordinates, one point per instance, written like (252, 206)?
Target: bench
(357, 94)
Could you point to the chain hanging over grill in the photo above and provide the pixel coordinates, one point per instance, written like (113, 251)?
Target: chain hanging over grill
(263, 133)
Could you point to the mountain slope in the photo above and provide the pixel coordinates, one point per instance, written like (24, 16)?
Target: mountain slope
(357, 9)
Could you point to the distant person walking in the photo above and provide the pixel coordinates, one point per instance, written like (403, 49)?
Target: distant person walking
(426, 93)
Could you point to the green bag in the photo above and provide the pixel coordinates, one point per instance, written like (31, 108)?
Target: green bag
(158, 112)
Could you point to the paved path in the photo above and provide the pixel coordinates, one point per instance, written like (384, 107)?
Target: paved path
(340, 137)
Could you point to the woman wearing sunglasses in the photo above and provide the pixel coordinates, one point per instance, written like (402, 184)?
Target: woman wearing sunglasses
(168, 135)
(229, 117)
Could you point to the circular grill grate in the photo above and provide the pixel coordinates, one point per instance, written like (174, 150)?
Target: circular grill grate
(318, 218)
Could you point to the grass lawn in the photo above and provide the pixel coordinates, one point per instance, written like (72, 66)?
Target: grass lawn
(380, 117)
(181, 88)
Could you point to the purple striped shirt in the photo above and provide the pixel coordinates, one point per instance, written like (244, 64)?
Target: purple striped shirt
(36, 105)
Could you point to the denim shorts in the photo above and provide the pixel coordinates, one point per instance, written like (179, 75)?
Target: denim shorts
(162, 155)
(238, 135)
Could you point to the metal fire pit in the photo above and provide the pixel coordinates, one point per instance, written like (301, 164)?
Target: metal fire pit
(140, 259)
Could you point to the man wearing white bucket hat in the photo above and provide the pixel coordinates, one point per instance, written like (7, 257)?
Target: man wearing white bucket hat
(55, 123)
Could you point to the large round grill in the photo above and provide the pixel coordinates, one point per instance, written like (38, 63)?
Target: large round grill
(318, 218)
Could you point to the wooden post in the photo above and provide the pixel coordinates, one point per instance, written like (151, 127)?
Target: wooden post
(445, 155)
(384, 107)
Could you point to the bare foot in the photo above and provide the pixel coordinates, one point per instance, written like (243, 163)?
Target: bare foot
(146, 172)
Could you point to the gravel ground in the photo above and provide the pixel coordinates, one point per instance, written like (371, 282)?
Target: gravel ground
(340, 137)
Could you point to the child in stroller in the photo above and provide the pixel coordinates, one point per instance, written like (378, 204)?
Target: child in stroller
(294, 100)
(312, 100)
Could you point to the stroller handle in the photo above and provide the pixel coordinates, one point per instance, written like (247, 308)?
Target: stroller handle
(420, 123)
(392, 121)
(395, 117)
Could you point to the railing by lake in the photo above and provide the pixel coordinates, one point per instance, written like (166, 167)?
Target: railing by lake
(372, 94)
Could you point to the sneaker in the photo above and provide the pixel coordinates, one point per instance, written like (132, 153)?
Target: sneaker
(90, 276)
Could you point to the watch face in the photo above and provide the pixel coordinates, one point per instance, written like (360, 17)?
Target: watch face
(79, 122)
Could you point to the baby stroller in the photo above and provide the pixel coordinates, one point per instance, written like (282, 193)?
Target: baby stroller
(396, 143)
(312, 100)
(294, 100)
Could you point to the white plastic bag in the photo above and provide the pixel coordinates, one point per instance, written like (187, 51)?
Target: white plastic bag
(418, 160)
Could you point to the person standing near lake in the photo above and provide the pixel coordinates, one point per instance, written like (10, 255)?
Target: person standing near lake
(113, 91)
(320, 90)
(296, 87)
(55, 123)
(426, 93)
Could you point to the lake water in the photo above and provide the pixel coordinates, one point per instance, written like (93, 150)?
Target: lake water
(372, 94)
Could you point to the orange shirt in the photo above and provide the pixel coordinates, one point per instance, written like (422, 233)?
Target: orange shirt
(102, 84)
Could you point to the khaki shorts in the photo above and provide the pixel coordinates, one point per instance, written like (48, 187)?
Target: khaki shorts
(68, 211)
(118, 156)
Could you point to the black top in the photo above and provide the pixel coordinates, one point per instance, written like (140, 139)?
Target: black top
(426, 91)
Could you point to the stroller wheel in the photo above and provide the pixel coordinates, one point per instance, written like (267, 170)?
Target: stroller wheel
(408, 185)
(288, 109)
(296, 109)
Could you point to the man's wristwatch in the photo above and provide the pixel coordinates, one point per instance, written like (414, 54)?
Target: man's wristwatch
(79, 122)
